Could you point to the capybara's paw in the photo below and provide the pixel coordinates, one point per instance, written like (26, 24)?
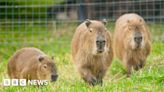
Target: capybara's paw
(100, 82)
(137, 67)
(92, 81)
(142, 64)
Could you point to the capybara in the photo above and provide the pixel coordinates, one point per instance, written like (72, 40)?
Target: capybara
(92, 51)
(132, 42)
(32, 63)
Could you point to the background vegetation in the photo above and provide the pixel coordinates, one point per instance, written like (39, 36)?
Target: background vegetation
(26, 9)
(33, 2)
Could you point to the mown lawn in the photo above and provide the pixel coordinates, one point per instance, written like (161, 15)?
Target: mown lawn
(55, 41)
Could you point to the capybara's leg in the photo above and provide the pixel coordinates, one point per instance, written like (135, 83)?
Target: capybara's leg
(100, 76)
(137, 67)
(23, 74)
(88, 76)
(13, 76)
(129, 68)
(142, 63)
(127, 65)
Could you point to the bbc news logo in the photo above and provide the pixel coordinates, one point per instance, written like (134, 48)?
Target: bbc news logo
(23, 82)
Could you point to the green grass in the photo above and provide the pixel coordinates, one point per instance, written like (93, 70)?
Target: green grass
(56, 42)
(34, 2)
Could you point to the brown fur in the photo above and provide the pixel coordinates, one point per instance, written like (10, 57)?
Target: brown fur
(125, 26)
(92, 67)
(31, 63)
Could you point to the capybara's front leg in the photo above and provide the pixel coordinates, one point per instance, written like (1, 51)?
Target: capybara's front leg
(91, 80)
(127, 65)
(140, 65)
(23, 74)
(100, 76)
(129, 68)
(88, 76)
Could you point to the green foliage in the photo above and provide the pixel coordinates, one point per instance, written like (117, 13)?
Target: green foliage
(34, 2)
(26, 8)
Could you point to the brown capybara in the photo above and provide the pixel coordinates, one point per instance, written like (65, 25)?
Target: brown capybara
(32, 63)
(132, 43)
(92, 50)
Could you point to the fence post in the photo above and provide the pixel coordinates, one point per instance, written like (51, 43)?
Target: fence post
(81, 10)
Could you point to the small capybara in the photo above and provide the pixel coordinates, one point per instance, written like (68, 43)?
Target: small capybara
(92, 51)
(32, 63)
(132, 42)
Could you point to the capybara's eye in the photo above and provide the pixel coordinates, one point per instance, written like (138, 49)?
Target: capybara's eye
(45, 66)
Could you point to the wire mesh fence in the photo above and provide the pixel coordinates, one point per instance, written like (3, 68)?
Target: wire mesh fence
(36, 22)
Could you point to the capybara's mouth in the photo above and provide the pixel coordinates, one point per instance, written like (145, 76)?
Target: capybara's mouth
(100, 51)
(54, 78)
(138, 46)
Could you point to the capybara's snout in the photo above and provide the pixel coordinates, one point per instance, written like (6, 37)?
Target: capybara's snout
(100, 43)
(54, 77)
(138, 38)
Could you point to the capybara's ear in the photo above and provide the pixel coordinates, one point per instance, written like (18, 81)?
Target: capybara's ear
(87, 22)
(104, 21)
(41, 58)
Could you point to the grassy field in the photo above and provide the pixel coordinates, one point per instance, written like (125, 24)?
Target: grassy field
(56, 42)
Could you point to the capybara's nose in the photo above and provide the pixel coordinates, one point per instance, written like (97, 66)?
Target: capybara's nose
(100, 42)
(54, 77)
(100, 45)
(138, 39)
